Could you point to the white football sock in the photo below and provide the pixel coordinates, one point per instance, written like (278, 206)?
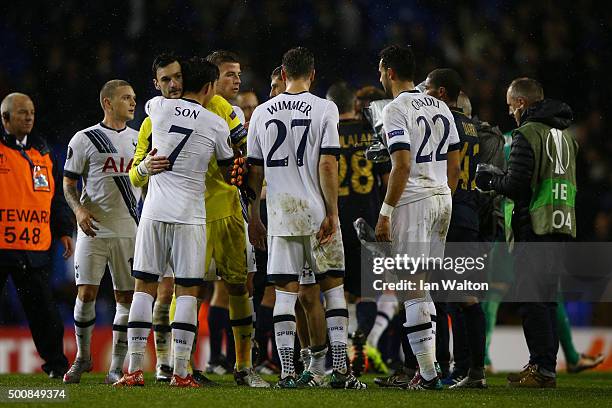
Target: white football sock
(120, 344)
(386, 305)
(420, 335)
(139, 326)
(317, 361)
(336, 316)
(284, 329)
(433, 316)
(306, 357)
(162, 333)
(84, 320)
(183, 333)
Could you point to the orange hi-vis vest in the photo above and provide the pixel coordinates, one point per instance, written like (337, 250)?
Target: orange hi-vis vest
(26, 191)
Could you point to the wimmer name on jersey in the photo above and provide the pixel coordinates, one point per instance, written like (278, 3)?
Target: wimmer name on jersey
(190, 136)
(287, 134)
(425, 126)
(103, 157)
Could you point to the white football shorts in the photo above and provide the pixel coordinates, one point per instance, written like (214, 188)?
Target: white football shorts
(159, 244)
(92, 254)
(301, 258)
(419, 229)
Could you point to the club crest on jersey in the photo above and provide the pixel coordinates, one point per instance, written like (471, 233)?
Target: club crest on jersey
(110, 165)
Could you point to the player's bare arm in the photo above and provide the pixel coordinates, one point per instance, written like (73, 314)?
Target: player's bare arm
(84, 217)
(453, 169)
(328, 179)
(257, 231)
(400, 171)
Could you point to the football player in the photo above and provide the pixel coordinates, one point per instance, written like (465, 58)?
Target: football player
(107, 217)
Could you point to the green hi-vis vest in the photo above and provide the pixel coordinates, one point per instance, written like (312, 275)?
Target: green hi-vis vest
(553, 185)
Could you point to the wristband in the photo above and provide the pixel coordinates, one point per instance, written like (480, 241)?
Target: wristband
(386, 210)
(142, 169)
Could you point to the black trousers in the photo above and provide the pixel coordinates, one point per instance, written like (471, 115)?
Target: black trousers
(41, 310)
(537, 267)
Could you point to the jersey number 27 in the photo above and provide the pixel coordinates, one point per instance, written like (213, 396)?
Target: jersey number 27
(280, 139)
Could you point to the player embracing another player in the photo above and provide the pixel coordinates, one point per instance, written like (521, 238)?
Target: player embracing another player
(173, 226)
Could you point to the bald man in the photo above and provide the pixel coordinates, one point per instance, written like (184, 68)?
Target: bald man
(31, 185)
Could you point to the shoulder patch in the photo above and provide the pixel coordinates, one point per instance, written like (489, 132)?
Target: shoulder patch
(233, 115)
(398, 132)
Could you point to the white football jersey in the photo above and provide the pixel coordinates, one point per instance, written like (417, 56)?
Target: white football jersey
(239, 113)
(103, 157)
(189, 136)
(424, 125)
(286, 135)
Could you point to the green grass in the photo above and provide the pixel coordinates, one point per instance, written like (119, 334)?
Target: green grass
(587, 389)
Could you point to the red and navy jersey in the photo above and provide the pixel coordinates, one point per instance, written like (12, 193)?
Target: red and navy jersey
(360, 179)
(465, 199)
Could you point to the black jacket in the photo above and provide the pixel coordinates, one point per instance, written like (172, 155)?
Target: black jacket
(62, 217)
(516, 183)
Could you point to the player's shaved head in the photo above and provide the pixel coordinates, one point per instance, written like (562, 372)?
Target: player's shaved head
(528, 89)
(197, 72)
(109, 88)
(343, 96)
(400, 59)
(298, 63)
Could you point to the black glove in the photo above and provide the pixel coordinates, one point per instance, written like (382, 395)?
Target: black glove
(484, 175)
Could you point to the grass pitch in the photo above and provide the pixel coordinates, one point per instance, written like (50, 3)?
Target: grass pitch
(586, 389)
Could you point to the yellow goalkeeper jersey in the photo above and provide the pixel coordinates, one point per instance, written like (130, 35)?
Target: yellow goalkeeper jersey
(222, 200)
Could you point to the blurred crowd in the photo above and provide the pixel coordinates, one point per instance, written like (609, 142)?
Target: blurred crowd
(62, 52)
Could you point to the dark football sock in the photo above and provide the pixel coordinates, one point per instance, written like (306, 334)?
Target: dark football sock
(366, 315)
(410, 361)
(216, 317)
(264, 330)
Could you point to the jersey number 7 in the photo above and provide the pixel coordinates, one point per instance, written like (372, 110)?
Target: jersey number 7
(179, 147)
(280, 139)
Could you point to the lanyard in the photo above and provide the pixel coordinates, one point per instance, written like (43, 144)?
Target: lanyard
(25, 156)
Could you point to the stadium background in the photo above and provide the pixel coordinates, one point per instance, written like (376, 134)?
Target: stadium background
(62, 52)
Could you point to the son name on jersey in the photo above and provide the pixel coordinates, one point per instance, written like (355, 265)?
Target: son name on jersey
(186, 112)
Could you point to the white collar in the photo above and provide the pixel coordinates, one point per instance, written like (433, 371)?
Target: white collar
(23, 142)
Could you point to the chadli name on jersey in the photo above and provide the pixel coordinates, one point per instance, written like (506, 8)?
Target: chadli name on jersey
(418, 103)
